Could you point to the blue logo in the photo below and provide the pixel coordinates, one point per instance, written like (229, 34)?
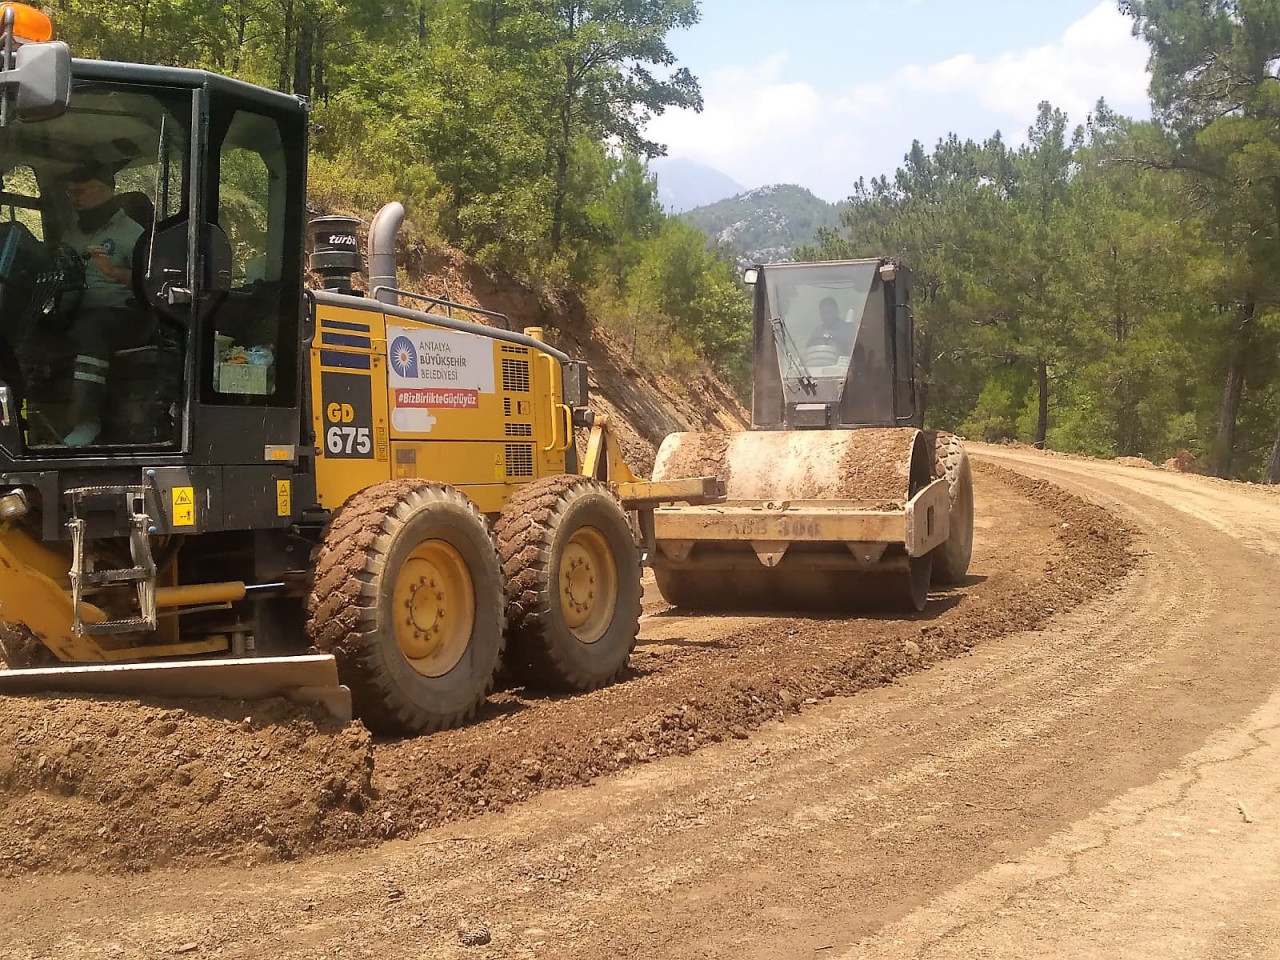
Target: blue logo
(404, 358)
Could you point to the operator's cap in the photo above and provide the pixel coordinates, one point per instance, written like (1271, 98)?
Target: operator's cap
(92, 171)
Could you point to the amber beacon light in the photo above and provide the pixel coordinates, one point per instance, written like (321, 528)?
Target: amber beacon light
(29, 24)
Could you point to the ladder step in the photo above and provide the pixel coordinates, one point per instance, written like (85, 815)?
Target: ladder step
(127, 575)
(108, 627)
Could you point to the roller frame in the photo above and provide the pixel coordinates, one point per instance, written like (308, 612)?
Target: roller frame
(920, 525)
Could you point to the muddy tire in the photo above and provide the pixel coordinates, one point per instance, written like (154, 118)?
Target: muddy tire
(573, 583)
(20, 650)
(407, 595)
(951, 463)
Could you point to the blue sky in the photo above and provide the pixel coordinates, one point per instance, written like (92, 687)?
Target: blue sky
(820, 92)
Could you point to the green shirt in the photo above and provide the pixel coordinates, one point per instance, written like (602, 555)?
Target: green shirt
(118, 236)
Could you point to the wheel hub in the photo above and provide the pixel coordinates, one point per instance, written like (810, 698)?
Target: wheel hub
(588, 584)
(433, 608)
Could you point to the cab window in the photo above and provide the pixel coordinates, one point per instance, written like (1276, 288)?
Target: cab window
(256, 323)
(21, 200)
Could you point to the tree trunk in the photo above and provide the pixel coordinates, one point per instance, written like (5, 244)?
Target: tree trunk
(286, 46)
(1273, 467)
(562, 162)
(319, 91)
(242, 27)
(1042, 419)
(302, 60)
(1232, 391)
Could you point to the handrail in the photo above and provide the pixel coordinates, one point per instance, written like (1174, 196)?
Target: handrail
(440, 302)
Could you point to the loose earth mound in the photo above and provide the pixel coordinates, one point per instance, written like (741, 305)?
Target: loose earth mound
(122, 785)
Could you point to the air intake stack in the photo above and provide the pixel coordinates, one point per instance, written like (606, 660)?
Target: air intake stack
(335, 251)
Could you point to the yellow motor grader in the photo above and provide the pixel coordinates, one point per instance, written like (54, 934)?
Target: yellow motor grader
(348, 500)
(287, 491)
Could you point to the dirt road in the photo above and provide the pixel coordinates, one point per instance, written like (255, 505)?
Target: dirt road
(1104, 785)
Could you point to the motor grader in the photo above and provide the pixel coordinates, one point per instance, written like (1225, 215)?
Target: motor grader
(292, 491)
(835, 500)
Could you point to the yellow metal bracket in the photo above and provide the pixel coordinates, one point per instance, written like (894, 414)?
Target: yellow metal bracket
(604, 460)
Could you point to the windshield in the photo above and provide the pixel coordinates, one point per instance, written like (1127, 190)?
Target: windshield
(821, 308)
(79, 198)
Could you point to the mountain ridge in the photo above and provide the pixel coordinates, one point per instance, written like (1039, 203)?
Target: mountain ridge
(765, 224)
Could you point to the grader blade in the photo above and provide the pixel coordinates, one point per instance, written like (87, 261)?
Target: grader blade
(303, 679)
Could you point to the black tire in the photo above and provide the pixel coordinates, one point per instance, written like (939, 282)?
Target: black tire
(352, 612)
(951, 463)
(20, 650)
(546, 522)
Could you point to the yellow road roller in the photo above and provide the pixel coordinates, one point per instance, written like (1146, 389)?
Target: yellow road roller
(835, 499)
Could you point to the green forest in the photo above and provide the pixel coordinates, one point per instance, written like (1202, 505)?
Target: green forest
(1110, 287)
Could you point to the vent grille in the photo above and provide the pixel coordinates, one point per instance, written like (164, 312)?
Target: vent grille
(508, 348)
(515, 375)
(519, 460)
(519, 429)
(506, 406)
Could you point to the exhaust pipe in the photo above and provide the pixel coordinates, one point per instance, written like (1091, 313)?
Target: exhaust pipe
(382, 252)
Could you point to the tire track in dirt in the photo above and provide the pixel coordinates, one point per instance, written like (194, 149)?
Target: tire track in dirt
(106, 785)
(797, 842)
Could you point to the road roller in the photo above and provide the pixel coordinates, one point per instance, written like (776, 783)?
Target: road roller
(835, 499)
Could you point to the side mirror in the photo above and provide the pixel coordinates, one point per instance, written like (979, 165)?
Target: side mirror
(41, 77)
(749, 277)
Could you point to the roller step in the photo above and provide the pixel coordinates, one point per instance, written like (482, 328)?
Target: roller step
(142, 575)
(112, 627)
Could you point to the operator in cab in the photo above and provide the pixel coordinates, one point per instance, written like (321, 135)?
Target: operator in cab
(832, 331)
(104, 236)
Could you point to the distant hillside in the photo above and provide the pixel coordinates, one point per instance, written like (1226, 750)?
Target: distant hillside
(766, 224)
(683, 184)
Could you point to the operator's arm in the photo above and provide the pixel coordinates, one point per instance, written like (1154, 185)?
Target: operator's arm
(102, 260)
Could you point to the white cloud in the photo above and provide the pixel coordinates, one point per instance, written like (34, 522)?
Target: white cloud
(750, 118)
(765, 124)
(1097, 56)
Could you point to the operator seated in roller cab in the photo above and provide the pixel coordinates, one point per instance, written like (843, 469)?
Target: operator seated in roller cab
(832, 332)
(105, 236)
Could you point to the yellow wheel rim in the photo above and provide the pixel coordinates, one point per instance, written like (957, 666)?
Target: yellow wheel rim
(433, 608)
(588, 584)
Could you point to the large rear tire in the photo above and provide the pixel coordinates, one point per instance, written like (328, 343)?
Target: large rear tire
(20, 650)
(407, 594)
(573, 583)
(951, 463)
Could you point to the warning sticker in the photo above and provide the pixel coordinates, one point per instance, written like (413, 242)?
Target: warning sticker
(184, 507)
(284, 498)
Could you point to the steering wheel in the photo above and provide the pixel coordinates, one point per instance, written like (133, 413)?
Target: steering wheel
(66, 279)
(37, 282)
(35, 278)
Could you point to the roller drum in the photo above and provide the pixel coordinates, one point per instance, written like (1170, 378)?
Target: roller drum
(880, 468)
